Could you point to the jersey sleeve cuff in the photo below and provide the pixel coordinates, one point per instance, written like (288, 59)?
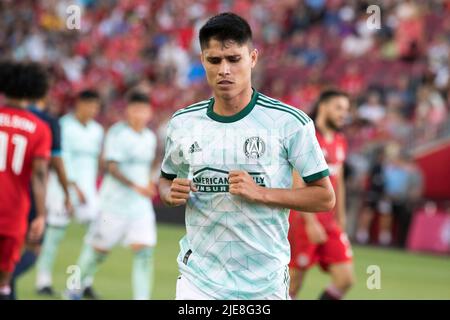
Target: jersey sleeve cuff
(168, 175)
(317, 176)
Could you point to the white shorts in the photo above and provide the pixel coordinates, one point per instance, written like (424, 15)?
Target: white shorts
(109, 229)
(186, 290)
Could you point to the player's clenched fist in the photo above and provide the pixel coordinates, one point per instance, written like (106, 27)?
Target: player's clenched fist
(242, 184)
(179, 192)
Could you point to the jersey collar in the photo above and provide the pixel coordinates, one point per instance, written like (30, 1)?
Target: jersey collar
(235, 117)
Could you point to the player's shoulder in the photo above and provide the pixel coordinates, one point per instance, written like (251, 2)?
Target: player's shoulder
(67, 120)
(193, 109)
(117, 128)
(283, 112)
(97, 127)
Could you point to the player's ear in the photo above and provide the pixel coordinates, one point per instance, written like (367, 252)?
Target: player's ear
(254, 57)
(202, 59)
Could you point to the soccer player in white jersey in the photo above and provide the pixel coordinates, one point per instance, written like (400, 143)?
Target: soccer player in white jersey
(82, 139)
(230, 160)
(126, 210)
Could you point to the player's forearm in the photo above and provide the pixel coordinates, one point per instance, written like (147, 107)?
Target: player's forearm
(309, 198)
(58, 164)
(308, 216)
(340, 195)
(38, 186)
(113, 169)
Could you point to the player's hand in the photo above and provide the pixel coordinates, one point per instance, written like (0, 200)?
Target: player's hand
(68, 205)
(315, 231)
(80, 194)
(147, 192)
(36, 229)
(179, 191)
(243, 185)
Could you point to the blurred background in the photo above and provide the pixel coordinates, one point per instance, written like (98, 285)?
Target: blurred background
(398, 78)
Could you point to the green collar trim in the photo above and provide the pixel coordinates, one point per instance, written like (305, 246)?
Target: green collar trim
(235, 117)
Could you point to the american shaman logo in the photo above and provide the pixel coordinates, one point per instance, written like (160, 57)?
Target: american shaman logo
(216, 180)
(254, 147)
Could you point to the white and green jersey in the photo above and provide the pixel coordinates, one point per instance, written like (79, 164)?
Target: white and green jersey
(134, 152)
(234, 249)
(81, 148)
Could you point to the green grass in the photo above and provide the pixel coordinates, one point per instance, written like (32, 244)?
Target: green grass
(403, 275)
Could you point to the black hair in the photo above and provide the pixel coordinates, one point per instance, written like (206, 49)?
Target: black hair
(324, 97)
(224, 27)
(23, 80)
(138, 97)
(88, 94)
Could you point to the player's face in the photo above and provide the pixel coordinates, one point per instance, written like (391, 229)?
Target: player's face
(89, 108)
(139, 114)
(228, 67)
(337, 110)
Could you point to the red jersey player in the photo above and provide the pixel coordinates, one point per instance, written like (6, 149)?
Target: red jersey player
(320, 237)
(24, 151)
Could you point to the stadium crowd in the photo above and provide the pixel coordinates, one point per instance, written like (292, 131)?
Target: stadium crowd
(397, 76)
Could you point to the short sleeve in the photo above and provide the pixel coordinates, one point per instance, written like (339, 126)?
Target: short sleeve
(169, 167)
(304, 153)
(43, 143)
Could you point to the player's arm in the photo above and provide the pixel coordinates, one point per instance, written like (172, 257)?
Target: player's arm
(57, 163)
(340, 199)
(38, 186)
(315, 231)
(315, 196)
(113, 169)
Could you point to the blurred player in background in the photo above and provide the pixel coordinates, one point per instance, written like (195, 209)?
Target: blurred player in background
(32, 250)
(82, 139)
(230, 160)
(126, 210)
(25, 143)
(321, 238)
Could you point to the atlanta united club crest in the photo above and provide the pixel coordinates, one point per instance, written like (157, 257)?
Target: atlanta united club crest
(254, 147)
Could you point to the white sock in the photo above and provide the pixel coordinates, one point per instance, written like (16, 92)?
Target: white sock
(43, 279)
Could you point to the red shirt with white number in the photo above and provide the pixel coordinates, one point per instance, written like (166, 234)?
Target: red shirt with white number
(23, 138)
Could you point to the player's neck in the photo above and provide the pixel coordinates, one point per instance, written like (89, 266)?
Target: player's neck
(230, 107)
(325, 131)
(83, 120)
(16, 103)
(135, 127)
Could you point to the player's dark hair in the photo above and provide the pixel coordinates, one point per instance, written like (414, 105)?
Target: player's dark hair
(138, 97)
(225, 27)
(23, 80)
(324, 97)
(88, 94)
